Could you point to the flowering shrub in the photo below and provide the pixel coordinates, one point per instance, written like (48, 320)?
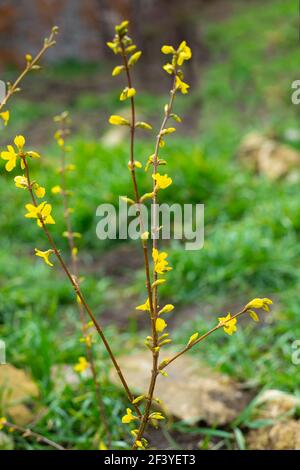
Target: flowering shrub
(157, 269)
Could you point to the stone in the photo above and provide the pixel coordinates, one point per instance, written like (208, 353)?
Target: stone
(273, 404)
(281, 436)
(17, 389)
(267, 156)
(192, 391)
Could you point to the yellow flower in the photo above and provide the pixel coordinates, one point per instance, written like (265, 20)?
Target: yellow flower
(160, 261)
(118, 121)
(192, 339)
(144, 307)
(134, 58)
(156, 415)
(160, 325)
(5, 116)
(162, 181)
(144, 125)
(11, 156)
(184, 53)
(127, 93)
(253, 315)
(81, 365)
(21, 182)
(182, 86)
(39, 190)
(168, 50)
(56, 190)
(43, 211)
(169, 68)
(19, 142)
(45, 255)
(166, 309)
(2, 422)
(117, 70)
(229, 326)
(259, 303)
(129, 417)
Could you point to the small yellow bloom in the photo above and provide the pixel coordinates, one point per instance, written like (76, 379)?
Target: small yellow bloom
(117, 70)
(169, 68)
(21, 182)
(81, 365)
(43, 211)
(19, 142)
(156, 415)
(168, 50)
(45, 255)
(127, 93)
(158, 282)
(11, 156)
(144, 307)
(253, 315)
(182, 86)
(144, 125)
(39, 190)
(56, 189)
(229, 326)
(193, 338)
(118, 121)
(160, 261)
(260, 303)
(129, 417)
(2, 422)
(160, 325)
(134, 58)
(162, 181)
(166, 309)
(5, 116)
(184, 53)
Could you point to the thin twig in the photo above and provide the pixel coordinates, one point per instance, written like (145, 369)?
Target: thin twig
(79, 293)
(71, 243)
(30, 65)
(201, 338)
(154, 316)
(26, 432)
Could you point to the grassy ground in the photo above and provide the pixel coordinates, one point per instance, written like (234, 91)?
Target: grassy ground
(252, 226)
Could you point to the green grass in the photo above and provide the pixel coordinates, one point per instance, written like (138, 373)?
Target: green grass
(252, 230)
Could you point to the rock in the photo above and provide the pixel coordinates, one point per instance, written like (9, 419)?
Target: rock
(274, 404)
(17, 389)
(267, 156)
(192, 391)
(282, 436)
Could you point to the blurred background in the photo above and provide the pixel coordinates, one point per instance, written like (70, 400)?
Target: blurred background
(237, 151)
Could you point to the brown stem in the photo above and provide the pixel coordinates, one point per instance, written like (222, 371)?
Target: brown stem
(29, 433)
(134, 181)
(71, 242)
(201, 338)
(49, 42)
(79, 294)
(155, 354)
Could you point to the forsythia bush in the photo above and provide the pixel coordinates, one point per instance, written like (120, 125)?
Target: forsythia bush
(157, 269)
